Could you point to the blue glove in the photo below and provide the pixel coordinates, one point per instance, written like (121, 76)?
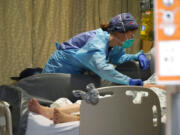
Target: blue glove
(136, 82)
(144, 62)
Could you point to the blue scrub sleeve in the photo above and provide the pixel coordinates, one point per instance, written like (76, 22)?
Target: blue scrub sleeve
(96, 61)
(122, 57)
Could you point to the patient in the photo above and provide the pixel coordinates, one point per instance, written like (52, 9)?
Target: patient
(64, 114)
(58, 115)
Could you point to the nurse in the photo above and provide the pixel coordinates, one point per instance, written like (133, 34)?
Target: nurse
(98, 50)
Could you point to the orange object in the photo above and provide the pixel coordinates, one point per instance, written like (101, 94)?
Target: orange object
(167, 40)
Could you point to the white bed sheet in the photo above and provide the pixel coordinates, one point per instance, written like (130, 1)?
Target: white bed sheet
(39, 125)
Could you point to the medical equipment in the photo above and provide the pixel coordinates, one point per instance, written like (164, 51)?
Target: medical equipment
(146, 30)
(111, 115)
(91, 96)
(5, 119)
(168, 2)
(117, 114)
(17, 99)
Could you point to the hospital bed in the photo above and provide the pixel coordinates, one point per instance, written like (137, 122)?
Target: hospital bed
(49, 87)
(115, 113)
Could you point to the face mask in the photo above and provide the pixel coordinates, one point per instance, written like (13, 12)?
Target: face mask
(128, 43)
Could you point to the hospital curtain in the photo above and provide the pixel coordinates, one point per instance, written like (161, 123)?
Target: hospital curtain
(15, 37)
(30, 28)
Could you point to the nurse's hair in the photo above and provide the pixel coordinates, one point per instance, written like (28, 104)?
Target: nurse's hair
(121, 23)
(104, 27)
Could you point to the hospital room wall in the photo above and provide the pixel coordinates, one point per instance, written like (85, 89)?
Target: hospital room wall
(29, 28)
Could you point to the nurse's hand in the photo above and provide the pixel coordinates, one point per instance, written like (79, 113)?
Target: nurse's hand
(136, 82)
(144, 62)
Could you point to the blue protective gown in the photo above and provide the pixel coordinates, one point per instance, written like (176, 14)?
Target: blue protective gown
(90, 51)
